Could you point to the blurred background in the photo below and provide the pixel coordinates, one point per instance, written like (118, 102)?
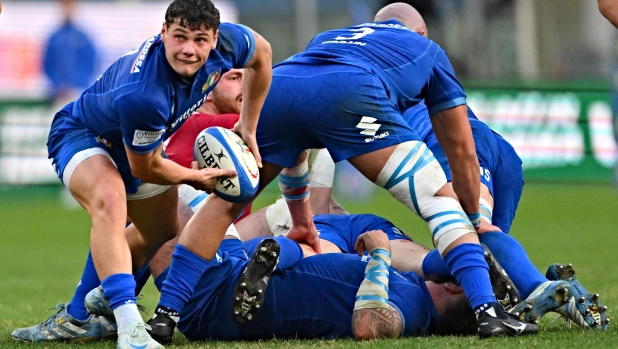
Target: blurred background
(543, 74)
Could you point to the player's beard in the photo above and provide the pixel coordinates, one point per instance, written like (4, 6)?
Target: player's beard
(227, 105)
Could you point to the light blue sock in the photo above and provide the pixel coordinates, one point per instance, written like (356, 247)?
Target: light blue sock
(468, 266)
(514, 259)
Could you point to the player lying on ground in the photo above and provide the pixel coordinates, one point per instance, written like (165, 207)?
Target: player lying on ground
(319, 296)
(316, 110)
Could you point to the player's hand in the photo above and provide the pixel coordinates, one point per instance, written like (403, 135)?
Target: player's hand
(206, 178)
(248, 135)
(487, 228)
(308, 235)
(371, 240)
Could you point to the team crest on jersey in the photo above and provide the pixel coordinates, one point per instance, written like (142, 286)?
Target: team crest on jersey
(212, 79)
(104, 141)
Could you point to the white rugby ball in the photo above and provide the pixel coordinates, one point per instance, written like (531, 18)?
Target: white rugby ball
(218, 147)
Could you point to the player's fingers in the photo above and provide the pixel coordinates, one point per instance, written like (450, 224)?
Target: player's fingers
(256, 152)
(194, 165)
(359, 241)
(217, 172)
(316, 247)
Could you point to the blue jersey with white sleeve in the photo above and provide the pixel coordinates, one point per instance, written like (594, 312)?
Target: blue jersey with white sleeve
(140, 101)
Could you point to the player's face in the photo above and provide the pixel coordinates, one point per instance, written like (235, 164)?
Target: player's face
(227, 95)
(187, 50)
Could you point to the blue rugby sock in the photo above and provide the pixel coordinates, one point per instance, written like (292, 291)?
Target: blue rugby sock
(184, 273)
(141, 278)
(89, 281)
(514, 259)
(119, 289)
(434, 264)
(468, 266)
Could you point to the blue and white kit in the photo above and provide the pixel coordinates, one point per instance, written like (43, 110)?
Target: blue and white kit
(139, 102)
(347, 90)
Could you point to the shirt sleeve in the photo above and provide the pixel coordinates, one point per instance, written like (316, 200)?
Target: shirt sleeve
(444, 90)
(236, 43)
(142, 122)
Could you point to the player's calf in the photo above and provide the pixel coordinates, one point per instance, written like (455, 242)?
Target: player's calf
(504, 289)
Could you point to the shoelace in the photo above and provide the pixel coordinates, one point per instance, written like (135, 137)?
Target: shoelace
(140, 326)
(60, 307)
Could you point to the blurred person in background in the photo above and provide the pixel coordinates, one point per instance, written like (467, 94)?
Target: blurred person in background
(70, 60)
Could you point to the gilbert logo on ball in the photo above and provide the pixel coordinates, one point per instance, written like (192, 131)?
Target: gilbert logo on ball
(218, 147)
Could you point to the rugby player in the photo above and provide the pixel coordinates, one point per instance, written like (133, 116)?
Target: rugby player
(344, 93)
(116, 128)
(221, 108)
(501, 181)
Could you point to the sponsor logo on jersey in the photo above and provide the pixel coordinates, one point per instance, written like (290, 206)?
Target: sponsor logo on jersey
(380, 136)
(368, 126)
(139, 61)
(146, 137)
(188, 113)
(212, 79)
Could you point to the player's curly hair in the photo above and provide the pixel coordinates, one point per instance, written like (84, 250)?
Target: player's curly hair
(194, 14)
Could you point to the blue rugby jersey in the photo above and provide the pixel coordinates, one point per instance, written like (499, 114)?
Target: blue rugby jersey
(140, 100)
(410, 66)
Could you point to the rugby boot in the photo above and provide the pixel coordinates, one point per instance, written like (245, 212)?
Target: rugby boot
(61, 326)
(250, 289)
(547, 297)
(162, 325)
(504, 289)
(584, 309)
(495, 322)
(136, 336)
(96, 303)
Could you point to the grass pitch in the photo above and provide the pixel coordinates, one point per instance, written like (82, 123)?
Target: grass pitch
(44, 244)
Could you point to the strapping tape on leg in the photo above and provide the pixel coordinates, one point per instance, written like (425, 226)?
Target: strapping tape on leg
(446, 220)
(294, 182)
(413, 176)
(486, 210)
(278, 217)
(322, 168)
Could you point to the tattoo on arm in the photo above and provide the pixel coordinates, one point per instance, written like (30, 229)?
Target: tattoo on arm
(377, 323)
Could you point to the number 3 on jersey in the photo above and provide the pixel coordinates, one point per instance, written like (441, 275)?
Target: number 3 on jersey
(360, 32)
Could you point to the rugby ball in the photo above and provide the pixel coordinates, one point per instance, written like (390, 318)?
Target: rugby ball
(218, 147)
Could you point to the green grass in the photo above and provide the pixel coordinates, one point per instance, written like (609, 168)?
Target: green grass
(43, 246)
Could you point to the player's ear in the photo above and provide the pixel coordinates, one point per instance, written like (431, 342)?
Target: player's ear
(452, 289)
(163, 28)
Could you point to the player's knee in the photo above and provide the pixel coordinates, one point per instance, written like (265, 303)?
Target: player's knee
(108, 202)
(446, 220)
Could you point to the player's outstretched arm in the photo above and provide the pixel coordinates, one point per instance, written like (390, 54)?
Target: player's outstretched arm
(373, 316)
(453, 131)
(155, 169)
(255, 85)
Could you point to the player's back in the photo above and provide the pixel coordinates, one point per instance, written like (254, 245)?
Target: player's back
(402, 59)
